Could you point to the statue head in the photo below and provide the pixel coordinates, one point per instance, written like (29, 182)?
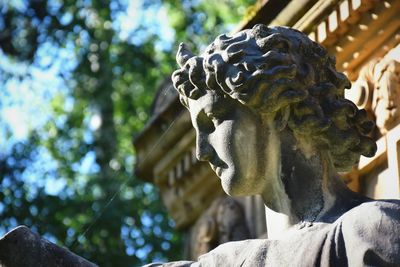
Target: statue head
(269, 78)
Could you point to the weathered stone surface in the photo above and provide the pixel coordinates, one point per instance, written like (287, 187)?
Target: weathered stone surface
(270, 117)
(377, 89)
(358, 231)
(23, 248)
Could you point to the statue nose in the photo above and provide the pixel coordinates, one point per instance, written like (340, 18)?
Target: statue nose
(204, 150)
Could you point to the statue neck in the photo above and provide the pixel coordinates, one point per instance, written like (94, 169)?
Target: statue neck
(302, 188)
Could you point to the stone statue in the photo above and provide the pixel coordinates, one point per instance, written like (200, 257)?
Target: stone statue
(222, 222)
(377, 89)
(270, 117)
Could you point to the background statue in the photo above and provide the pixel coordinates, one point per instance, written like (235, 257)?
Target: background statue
(377, 89)
(223, 221)
(268, 109)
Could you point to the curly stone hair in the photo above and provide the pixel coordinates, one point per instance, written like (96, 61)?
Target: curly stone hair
(277, 70)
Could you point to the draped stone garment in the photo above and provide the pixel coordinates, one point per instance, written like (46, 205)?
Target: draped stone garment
(367, 235)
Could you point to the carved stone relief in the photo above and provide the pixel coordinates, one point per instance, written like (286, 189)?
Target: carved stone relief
(377, 89)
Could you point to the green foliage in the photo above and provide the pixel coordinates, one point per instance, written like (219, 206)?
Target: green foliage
(101, 211)
(198, 22)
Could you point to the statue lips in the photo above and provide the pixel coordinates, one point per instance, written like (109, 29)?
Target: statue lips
(217, 164)
(217, 170)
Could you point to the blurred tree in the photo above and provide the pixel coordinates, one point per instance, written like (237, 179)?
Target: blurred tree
(110, 57)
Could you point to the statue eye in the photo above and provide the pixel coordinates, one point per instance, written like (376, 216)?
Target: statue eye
(205, 123)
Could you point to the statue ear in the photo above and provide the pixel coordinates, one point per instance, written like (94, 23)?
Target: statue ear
(281, 118)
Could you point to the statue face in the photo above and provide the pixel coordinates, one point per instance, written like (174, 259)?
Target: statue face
(231, 138)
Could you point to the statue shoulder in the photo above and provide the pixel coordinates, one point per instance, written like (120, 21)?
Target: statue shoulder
(374, 212)
(173, 264)
(236, 253)
(370, 233)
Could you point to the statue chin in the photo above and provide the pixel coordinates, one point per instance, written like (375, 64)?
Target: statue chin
(230, 183)
(233, 189)
(240, 186)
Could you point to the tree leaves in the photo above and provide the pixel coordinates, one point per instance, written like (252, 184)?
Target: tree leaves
(72, 180)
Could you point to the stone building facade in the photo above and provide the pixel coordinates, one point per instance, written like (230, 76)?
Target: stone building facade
(364, 35)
